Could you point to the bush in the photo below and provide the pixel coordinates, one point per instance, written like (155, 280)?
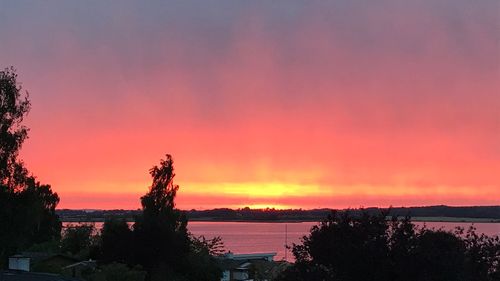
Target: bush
(365, 247)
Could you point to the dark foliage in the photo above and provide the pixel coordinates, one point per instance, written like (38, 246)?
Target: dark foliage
(80, 241)
(482, 256)
(158, 247)
(213, 247)
(162, 244)
(117, 241)
(161, 237)
(202, 255)
(27, 207)
(13, 107)
(116, 272)
(367, 247)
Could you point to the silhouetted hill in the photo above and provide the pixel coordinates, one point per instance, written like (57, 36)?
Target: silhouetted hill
(442, 213)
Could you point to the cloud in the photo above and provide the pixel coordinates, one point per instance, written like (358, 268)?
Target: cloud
(337, 93)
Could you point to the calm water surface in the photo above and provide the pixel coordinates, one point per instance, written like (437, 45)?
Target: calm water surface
(251, 237)
(244, 237)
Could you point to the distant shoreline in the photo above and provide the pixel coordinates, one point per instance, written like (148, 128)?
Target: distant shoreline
(452, 219)
(413, 219)
(471, 214)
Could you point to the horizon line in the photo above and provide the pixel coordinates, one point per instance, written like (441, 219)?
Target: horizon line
(286, 209)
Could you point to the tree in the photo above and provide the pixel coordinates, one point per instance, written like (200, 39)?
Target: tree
(117, 272)
(162, 243)
(14, 105)
(117, 241)
(27, 207)
(402, 242)
(482, 256)
(160, 233)
(78, 240)
(213, 247)
(440, 256)
(350, 248)
(347, 247)
(202, 255)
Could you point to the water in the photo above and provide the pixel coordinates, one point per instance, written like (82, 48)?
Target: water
(252, 237)
(245, 237)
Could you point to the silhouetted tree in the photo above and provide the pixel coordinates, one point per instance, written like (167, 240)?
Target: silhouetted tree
(402, 242)
(14, 105)
(117, 241)
(80, 241)
(439, 256)
(117, 272)
(482, 256)
(202, 255)
(201, 264)
(350, 248)
(161, 237)
(27, 208)
(363, 247)
(213, 247)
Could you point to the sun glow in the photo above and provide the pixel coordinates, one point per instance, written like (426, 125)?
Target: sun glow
(257, 189)
(269, 206)
(262, 113)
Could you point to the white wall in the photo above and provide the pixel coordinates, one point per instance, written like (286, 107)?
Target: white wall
(19, 263)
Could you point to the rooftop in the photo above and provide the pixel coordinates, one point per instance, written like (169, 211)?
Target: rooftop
(14, 275)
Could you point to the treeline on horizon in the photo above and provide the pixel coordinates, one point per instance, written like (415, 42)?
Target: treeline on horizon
(269, 214)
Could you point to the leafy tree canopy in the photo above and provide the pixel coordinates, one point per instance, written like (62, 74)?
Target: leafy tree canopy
(14, 105)
(347, 247)
(27, 207)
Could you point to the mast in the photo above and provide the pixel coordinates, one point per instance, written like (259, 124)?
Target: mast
(286, 242)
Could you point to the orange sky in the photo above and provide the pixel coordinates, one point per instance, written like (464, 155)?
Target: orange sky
(287, 104)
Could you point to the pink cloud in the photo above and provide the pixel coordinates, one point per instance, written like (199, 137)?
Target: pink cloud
(335, 94)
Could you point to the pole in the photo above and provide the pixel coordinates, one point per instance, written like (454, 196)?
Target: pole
(286, 242)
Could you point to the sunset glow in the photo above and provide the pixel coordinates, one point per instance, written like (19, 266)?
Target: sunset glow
(336, 104)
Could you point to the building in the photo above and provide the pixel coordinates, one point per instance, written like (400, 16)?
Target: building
(40, 262)
(78, 269)
(253, 256)
(19, 262)
(21, 275)
(248, 267)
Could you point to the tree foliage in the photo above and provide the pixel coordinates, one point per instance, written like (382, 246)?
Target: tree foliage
(161, 230)
(202, 255)
(14, 105)
(162, 244)
(117, 272)
(213, 246)
(27, 207)
(80, 241)
(117, 242)
(367, 247)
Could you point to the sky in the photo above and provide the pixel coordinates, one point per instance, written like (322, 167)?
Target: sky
(285, 104)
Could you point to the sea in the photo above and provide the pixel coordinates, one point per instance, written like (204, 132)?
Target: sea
(264, 237)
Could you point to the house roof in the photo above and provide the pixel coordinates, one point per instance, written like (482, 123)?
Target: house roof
(14, 275)
(41, 256)
(251, 256)
(18, 256)
(89, 263)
